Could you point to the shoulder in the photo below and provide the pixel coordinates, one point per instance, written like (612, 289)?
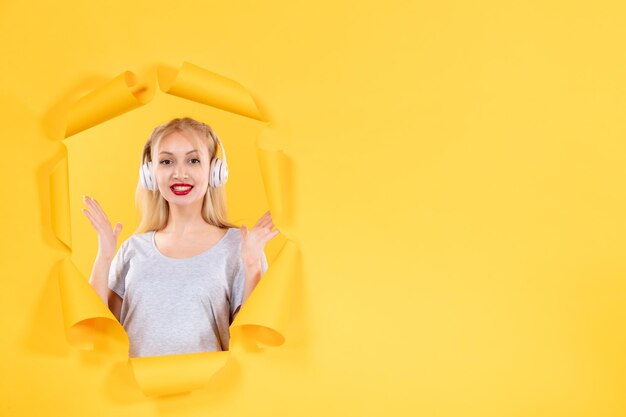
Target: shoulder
(233, 235)
(137, 240)
(231, 242)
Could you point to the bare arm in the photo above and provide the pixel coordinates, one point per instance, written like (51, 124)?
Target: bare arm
(115, 304)
(99, 280)
(253, 242)
(107, 242)
(100, 277)
(252, 275)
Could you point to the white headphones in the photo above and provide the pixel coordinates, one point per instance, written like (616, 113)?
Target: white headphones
(218, 174)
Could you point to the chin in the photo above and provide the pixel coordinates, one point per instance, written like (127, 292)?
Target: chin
(183, 200)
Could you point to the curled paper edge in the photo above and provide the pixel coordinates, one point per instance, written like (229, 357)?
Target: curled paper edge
(60, 201)
(277, 172)
(265, 322)
(118, 96)
(126, 92)
(203, 86)
(259, 322)
(87, 319)
(154, 374)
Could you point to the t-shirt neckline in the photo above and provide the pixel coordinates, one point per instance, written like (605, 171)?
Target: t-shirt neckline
(219, 242)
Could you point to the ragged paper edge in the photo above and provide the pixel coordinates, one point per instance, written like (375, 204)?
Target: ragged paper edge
(263, 318)
(176, 374)
(60, 201)
(120, 95)
(263, 322)
(203, 86)
(85, 316)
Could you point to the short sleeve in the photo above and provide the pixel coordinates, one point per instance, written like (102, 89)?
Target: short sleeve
(239, 286)
(117, 272)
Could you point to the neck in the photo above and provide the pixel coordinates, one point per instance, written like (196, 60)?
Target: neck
(185, 219)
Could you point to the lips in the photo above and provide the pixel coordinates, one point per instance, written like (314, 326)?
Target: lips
(181, 189)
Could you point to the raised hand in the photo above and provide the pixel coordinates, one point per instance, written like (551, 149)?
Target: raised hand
(107, 236)
(253, 241)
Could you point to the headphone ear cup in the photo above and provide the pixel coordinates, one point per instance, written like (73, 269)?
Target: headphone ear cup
(145, 175)
(224, 172)
(219, 173)
(142, 177)
(214, 175)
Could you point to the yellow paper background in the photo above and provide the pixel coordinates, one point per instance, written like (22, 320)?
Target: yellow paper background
(106, 127)
(458, 172)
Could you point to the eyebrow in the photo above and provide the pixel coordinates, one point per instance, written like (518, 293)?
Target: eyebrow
(169, 153)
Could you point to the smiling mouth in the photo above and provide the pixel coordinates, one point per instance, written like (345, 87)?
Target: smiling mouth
(180, 189)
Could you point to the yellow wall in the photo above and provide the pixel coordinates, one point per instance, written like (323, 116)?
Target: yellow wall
(458, 202)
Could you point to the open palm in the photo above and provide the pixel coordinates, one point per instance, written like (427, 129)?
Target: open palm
(253, 241)
(107, 236)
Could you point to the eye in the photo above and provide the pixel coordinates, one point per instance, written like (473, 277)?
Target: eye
(165, 162)
(194, 160)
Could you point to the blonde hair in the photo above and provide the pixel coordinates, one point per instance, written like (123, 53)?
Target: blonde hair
(153, 207)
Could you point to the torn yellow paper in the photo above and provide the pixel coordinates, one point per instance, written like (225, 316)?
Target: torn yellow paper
(85, 315)
(174, 374)
(120, 95)
(263, 320)
(88, 321)
(277, 174)
(203, 86)
(60, 202)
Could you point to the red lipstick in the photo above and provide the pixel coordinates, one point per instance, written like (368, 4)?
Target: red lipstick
(183, 189)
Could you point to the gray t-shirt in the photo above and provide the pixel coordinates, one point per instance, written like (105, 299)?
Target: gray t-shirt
(172, 306)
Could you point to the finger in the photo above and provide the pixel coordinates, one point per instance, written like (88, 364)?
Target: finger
(259, 222)
(100, 211)
(265, 228)
(117, 230)
(90, 217)
(271, 220)
(265, 220)
(270, 236)
(273, 233)
(95, 210)
(269, 226)
(98, 221)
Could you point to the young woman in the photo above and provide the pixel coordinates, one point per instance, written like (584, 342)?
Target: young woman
(177, 283)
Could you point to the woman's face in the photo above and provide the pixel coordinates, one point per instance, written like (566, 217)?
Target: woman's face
(182, 168)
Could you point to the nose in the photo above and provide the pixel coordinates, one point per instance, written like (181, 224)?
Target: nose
(180, 171)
